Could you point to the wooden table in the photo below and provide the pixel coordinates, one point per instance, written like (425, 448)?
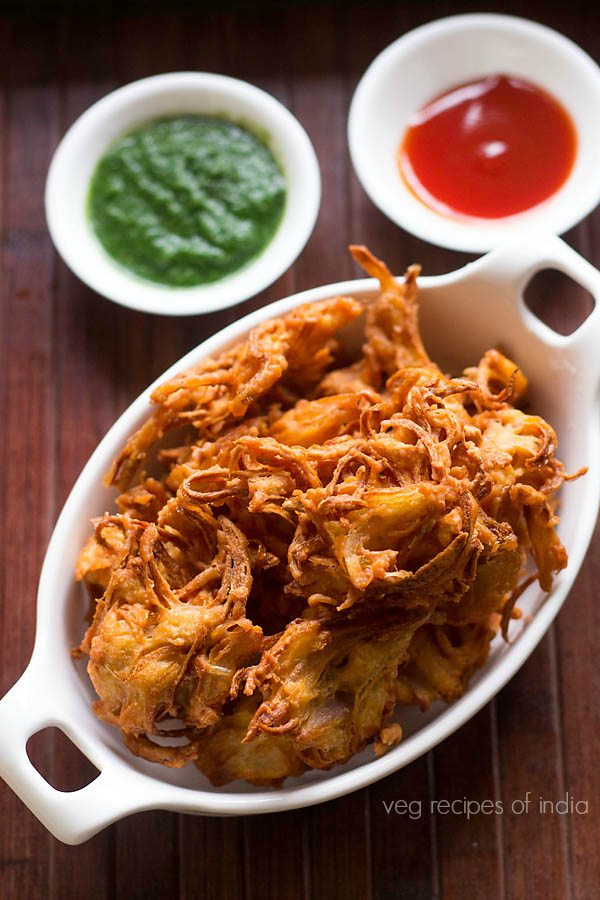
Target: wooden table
(71, 361)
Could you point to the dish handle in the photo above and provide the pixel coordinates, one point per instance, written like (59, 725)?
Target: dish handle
(515, 264)
(71, 816)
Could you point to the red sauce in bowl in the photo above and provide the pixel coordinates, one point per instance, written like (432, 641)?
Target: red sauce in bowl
(489, 148)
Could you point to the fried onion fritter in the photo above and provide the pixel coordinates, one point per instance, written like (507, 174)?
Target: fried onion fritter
(328, 543)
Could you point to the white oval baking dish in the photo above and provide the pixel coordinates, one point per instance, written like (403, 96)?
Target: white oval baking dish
(463, 313)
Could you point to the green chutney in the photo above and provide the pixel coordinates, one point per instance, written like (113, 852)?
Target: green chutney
(187, 200)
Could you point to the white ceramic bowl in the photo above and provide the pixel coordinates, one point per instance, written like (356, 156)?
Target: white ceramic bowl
(482, 304)
(177, 93)
(440, 55)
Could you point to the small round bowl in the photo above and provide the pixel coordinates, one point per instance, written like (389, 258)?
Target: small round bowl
(438, 56)
(178, 93)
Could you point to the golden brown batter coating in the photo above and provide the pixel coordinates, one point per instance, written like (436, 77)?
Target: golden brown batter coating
(328, 542)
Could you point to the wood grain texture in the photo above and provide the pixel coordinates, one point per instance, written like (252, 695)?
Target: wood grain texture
(70, 361)
(28, 400)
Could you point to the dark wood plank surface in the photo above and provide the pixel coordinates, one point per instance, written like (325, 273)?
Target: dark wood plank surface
(70, 361)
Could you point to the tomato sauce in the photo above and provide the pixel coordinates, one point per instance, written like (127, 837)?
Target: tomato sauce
(489, 148)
